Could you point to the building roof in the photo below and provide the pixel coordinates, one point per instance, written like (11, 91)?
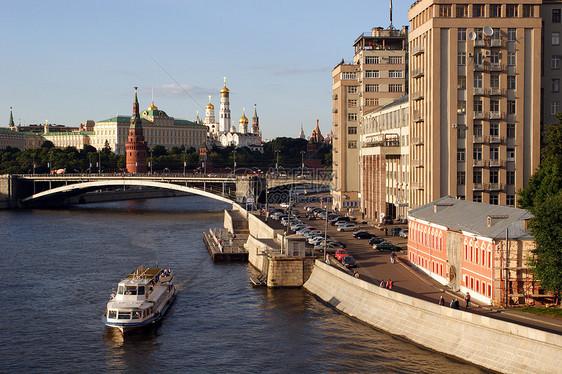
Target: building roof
(481, 219)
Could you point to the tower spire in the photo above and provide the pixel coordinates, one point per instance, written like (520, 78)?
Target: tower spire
(391, 27)
(11, 119)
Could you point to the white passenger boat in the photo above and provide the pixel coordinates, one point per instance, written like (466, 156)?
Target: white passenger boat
(141, 300)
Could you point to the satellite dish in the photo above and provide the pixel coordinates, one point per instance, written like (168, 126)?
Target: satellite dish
(488, 31)
(472, 35)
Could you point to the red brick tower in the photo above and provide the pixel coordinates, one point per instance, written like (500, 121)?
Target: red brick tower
(136, 145)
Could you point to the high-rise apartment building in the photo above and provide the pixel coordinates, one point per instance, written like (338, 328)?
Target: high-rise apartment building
(377, 76)
(475, 81)
(551, 56)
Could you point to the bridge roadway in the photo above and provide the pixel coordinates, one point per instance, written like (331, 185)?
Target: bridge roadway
(33, 190)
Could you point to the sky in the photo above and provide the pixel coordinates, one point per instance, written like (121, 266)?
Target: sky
(66, 62)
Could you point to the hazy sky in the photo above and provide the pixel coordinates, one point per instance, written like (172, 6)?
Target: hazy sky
(70, 61)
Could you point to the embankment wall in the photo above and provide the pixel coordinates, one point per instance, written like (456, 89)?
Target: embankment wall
(484, 341)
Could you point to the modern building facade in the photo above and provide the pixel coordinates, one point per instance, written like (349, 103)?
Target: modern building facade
(473, 247)
(377, 76)
(475, 100)
(551, 58)
(384, 161)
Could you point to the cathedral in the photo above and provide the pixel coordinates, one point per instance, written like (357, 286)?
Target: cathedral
(224, 133)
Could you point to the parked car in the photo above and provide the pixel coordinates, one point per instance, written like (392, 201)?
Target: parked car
(404, 233)
(387, 220)
(375, 240)
(341, 253)
(348, 262)
(339, 219)
(338, 243)
(395, 231)
(387, 247)
(348, 226)
(363, 235)
(329, 248)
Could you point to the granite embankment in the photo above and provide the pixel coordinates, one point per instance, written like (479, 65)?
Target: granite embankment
(490, 343)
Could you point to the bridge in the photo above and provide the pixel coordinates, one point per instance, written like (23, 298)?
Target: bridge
(34, 190)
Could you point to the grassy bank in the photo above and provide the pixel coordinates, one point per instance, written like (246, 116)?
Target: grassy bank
(550, 312)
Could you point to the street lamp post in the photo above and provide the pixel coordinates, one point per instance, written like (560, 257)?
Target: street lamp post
(302, 162)
(99, 163)
(326, 229)
(33, 163)
(51, 162)
(151, 162)
(234, 169)
(277, 162)
(90, 161)
(184, 162)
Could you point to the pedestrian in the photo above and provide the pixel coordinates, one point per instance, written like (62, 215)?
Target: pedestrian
(356, 274)
(393, 257)
(383, 284)
(467, 299)
(389, 284)
(386, 231)
(455, 304)
(441, 301)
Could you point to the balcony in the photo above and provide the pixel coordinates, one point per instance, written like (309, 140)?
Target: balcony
(418, 95)
(416, 73)
(334, 96)
(497, 163)
(496, 139)
(335, 110)
(479, 187)
(417, 163)
(496, 186)
(496, 43)
(497, 115)
(480, 139)
(480, 115)
(479, 91)
(417, 116)
(479, 163)
(418, 50)
(497, 67)
(481, 67)
(480, 43)
(416, 140)
(496, 91)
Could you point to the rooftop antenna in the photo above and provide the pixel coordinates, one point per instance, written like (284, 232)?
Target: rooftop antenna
(391, 27)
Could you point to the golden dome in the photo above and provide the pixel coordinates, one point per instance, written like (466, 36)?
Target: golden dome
(153, 107)
(210, 106)
(224, 91)
(243, 119)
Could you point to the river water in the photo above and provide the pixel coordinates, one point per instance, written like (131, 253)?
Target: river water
(59, 267)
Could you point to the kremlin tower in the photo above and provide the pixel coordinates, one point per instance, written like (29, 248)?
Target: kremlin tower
(210, 117)
(255, 122)
(136, 145)
(243, 122)
(224, 121)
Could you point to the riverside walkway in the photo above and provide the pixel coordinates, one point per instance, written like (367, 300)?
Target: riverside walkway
(374, 266)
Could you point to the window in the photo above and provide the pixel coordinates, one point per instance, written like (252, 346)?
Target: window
(510, 200)
(495, 10)
(395, 74)
(371, 88)
(461, 178)
(371, 102)
(510, 177)
(554, 107)
(477, 130)
(394, 88)
(477, 198)
(478, 10)
(495, 57)
(372, 60)
(479, 33)
(494, 153)
(352, 116)
(511, 58)
(461, 82)
(494, 199)
(352, 130)
(462, 10)
(478, 80)
(511, 35)
(494, 81)
(512, 10)
(348, 75)
(511, 154)
(556, 85)
(555, 15)
(395, 60)
(445, 10)
(494, 106)
(461, 155)
(461, 61)
(511, 130)
(352, 144)
(477, 153)
(528, 10)
(352, 89)
(478, 106)
(461, 132)
(555, 63)
(555, 38)
(371, 74)
(494, 129)
(352, 103)
(461, 107)
(461, 35)
(494, 176)
(510, 106)
(477, 177)
(511, 82)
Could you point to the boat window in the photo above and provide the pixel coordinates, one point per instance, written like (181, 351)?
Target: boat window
(112, 314)
(136, 315)
(141, 290)
(124, 315)
(131, 290)
(120, 290)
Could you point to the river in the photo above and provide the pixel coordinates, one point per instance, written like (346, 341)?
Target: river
(60, 266)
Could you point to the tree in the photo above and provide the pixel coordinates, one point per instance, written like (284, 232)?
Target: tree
(546, 227)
